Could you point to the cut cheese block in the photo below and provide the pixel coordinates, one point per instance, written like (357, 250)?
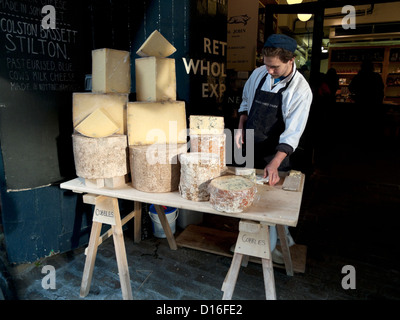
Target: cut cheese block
(114, 105)
(155, 79)
(156, 122)
(157, 46)
(197, 170)
(231, 193)
(111, 71)
(206, 125)
(210, 143)
(97, 125)
(98, 158)
(248, 173)
(156, 168)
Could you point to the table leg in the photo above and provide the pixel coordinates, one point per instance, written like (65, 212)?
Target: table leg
(166, 227)
(230, 281)
(120, 252)
(90, 258)
(285, 249)
(138, 222)
(269, 280)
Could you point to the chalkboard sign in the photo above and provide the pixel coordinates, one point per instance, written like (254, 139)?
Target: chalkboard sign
(39, 70)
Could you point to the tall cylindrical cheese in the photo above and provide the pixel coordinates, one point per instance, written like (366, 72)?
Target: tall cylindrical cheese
(210, 143)
(231, 193)
(98, 158)
(197, 170)
(156, 168)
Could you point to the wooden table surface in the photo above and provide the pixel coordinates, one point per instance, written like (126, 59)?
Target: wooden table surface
(272, 205)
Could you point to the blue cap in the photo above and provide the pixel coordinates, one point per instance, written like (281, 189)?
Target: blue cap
(281, 41)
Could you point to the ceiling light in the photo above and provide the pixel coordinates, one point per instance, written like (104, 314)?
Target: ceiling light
(293, 1)
(304, 16)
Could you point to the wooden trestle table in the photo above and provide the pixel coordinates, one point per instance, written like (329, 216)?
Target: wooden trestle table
(272, 206)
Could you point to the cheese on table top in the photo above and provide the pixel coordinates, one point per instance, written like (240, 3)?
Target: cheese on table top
(231, 193)
(156, 122)
(156, 168)
(100, 158)
(155, 79)
(206, 124)
(114, 105)
(157, 46)
(197, 170)
(111, 71)
(211, 143)
(97, 125)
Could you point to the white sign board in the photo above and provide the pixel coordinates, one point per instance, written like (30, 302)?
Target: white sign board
(242, 34)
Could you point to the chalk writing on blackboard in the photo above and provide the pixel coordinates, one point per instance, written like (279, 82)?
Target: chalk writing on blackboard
(38, 58)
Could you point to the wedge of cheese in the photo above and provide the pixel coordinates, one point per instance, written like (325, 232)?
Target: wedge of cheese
(113, 104)
(111, 71)
(97, 125)
(155, 79)
(156, 122)
(157, 46)
(206, 125)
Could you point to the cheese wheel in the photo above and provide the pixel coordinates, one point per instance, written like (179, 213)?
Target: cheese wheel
(98, 158)
(156, 168)
(231, 193)
(197, 170)
(210, 143)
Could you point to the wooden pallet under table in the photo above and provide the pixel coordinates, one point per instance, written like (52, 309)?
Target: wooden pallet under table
(220, 242)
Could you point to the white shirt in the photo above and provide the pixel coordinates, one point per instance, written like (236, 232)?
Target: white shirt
(296, 101)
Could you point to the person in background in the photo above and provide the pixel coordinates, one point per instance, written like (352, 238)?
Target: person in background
(275, 103)
(332, 80)
(367, 89)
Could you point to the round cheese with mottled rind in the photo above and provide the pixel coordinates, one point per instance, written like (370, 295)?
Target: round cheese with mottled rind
(156, 168)
(231, 193)
(98, 158)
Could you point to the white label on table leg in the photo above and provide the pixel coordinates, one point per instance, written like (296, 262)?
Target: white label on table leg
(254, 244)
(104, 211)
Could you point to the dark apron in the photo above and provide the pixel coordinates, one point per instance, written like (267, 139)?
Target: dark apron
(267, 121)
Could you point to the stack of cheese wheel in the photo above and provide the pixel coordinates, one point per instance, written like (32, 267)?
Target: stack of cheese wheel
(99, 120)
(197, 170)
(207, 135)
(231, 193)
(156, 122)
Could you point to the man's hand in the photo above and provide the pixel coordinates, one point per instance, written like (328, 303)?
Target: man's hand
(239, 138)
(271, 169)
(239, 134)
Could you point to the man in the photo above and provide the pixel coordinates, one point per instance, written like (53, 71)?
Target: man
(276, 103)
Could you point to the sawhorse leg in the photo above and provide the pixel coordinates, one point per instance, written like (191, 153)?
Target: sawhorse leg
(90, 258)
(230, 280)
(285, 249)
(269, 280)
(107, 211)
(167, 229)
